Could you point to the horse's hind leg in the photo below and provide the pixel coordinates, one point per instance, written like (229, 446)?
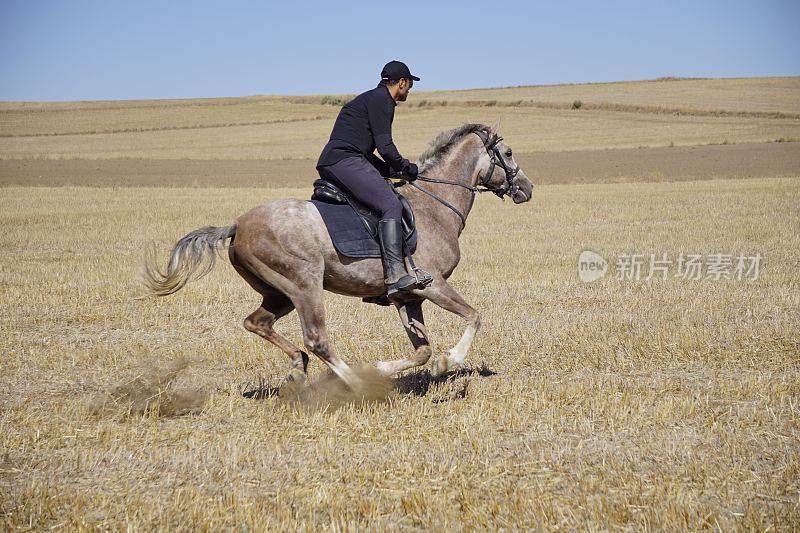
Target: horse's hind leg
(274, 305)
(261, 322)
(302, 286)
(311, 310)
(414, 323)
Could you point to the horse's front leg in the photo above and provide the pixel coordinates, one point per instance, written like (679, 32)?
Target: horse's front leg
(443, 295)
(414, 324)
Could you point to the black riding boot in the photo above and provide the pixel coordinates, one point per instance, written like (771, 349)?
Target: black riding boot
(390, 232)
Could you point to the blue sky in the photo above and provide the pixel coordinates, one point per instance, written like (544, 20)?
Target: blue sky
(61, 50)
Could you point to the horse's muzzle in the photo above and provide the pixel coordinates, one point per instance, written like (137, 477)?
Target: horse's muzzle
(522, 195)
(524, 189)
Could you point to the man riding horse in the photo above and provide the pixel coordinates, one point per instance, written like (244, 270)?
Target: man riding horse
(284, 250)
(364, 124)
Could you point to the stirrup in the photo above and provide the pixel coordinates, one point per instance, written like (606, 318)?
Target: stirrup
(423, 278)
(409, 284)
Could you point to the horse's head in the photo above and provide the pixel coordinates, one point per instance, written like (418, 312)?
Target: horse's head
(498, 171)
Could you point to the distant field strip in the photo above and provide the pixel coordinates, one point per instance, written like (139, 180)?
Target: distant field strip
(605, 106)
(164, 128)
(575, 104)
(734, 94)
(527, 129)
(105, 105)
(154, 117)
(739, 161)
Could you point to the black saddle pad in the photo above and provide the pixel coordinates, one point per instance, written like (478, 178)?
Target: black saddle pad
(349, 234)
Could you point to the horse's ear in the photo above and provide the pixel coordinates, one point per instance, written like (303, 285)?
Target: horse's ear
(496, 128)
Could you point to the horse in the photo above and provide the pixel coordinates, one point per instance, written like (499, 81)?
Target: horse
(283, 250)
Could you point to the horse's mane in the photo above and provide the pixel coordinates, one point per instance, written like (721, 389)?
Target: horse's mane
(443, 142)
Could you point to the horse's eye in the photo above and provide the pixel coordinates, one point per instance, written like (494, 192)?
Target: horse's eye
(508, 153)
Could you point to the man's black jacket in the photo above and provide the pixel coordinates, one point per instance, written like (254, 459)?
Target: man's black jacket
(364, 124)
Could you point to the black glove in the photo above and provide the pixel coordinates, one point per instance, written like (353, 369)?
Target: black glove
(411, 171)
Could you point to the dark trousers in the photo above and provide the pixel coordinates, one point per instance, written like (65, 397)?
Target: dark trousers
(365, 183)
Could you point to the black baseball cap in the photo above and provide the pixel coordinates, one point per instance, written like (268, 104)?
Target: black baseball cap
(394, 70)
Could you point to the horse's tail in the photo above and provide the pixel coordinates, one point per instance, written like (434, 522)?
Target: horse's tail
(192, 257)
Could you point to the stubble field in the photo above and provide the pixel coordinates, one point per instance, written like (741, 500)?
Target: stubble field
(623, 403)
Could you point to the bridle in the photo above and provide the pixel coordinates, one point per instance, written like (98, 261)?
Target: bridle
(509, 187)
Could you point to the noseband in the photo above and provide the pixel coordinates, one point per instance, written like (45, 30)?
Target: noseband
(509, 186)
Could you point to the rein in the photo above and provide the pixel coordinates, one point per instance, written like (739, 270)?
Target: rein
(495, 159)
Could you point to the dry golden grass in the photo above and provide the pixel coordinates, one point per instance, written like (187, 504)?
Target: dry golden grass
(615, 115)
(618, 404)
(152, 115)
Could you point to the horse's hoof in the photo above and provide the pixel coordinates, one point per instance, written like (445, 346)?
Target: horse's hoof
(296, 375)
(457, 367)
(384, 369)
(293, 384)
(439, 366)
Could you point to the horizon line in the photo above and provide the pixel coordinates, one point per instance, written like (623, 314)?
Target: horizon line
(662, 79)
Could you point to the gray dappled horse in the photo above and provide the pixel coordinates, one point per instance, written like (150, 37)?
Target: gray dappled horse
(283, 250)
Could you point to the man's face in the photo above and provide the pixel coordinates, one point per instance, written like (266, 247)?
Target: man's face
(403, 89)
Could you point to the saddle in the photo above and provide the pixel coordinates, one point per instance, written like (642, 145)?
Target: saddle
(329, 193)
(353, 228)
